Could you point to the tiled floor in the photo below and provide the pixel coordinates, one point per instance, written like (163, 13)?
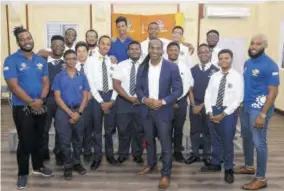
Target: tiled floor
(124, 178)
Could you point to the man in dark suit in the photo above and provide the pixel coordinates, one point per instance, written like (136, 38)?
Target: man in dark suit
(158, 87)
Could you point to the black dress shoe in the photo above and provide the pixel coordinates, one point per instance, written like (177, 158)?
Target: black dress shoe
(111, 160)
(138, 160)
(80, 169)
(192, 159)
(68, 173)
(95, 164)
(121, 160)
(178, 157)
(211, 168)
(88, 158)
(229, 176)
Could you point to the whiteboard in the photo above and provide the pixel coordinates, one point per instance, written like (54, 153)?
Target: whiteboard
(239, 49)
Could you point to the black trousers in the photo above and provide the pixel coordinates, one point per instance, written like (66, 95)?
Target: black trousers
(30, 131)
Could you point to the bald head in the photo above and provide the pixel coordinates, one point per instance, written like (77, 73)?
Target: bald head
(257, 46)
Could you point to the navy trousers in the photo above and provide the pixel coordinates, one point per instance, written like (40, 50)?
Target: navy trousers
(88, 140)
(69, 134)
(109, 125)
(130, 130)
(222, 139)
(153, 126)
(178, 123)
(198, 126)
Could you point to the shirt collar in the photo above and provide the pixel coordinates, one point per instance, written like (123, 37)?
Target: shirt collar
(72, 48)
(50, 59)
(20, 53)
(66, 73)
(207, 66)
(260, 57)
(159, 65)
(230, 71)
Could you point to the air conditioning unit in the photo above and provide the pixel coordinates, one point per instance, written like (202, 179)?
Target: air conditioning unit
(227, 12)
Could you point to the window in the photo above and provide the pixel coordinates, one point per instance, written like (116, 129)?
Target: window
(57, 28)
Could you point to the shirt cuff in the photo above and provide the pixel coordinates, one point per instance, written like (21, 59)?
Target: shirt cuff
(164, 102)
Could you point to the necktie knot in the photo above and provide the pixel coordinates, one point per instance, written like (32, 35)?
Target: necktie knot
(203, 68)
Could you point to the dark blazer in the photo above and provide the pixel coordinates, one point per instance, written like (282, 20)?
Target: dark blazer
(170, 88)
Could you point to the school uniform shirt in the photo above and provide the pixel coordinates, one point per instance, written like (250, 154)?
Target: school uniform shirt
(154, 79)
(233, 95)
(187, 79)
(28, 72)
(145, 45)
(119, 48)
(259, 73)
(93, 51)
(214, 59)
(94, 73)
(71, 89)
(123, 71)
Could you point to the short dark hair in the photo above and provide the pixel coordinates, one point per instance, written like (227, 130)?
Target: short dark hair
(57, 37)
(133, 42)
(203, 44)
(71, 29)
(158, 40)
(18, 30)
(173, 44)
(70, 51)
(104, 36)
(81, 44)
(212, 31)
(92, 30)
(178, 27)
(121, 19)
(153, 23)
(226, 51)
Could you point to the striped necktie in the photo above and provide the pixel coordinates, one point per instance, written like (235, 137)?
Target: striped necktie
(203, 68)
(221, 91)
(105, 76)
(132, 79)
(82, 68)
(91, 53)
(56, 62)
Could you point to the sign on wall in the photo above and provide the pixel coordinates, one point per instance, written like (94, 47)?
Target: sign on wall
(138, 24)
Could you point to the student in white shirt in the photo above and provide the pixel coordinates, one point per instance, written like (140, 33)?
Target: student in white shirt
(92, 41)
(173, 51)
(223, 97)
(82, 49)
(129, 121)
(99, 73)
(212, 40)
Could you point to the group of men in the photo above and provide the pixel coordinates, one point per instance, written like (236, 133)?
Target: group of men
(143, 91)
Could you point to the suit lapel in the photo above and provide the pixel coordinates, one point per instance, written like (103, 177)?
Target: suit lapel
(161, 79)
(146, 71)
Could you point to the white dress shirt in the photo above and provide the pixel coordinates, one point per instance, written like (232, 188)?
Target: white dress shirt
(50, 59)
(78, 65)
(145, 45)
(154, 80)
(122, 73)
(186, 76)
(233, 95)
(214, 58)
(207, 66)
(94, 73)
(94, 51)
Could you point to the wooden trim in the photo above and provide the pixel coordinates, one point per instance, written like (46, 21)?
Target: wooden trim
(27, 17)
(200, 16)
(178, 8)
(281, 112)
(8, 29)
(91, 16)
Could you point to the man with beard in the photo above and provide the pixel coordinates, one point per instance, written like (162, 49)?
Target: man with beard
(82, 50)
(99, 73)
(261, 76)
(173, 51)
(91, 40)
(129, 121)
(55, 65)
(212, 41)
(199, 131)
(223, 97)
(26, 75)
(119, 45)
(158, 87)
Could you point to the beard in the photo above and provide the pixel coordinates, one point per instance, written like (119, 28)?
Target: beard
(257, 54)
(27, 49)
(92, 45)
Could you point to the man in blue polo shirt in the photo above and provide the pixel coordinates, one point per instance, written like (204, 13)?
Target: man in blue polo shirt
(26, 75)
(120, 44)
(261, 81)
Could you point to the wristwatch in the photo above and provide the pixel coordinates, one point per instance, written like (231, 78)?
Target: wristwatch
(262, 115)
(80, 113)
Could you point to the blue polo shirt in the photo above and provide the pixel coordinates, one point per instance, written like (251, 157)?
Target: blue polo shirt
(28, 72)
(259, 73)
(71, 89)
(119, 49)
